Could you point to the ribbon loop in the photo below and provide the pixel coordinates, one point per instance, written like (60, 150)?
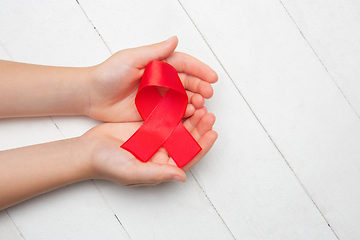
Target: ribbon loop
(162, 117)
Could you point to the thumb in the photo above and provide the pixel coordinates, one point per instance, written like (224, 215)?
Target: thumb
(152, 173)
(141, 56)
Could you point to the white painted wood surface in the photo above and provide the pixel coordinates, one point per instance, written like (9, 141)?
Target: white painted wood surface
(334, 35)
(286, 164)
(295, 99)
(7, 227)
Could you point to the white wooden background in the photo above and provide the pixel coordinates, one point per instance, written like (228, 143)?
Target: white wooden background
(287, 161)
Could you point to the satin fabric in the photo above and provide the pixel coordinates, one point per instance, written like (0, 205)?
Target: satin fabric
(162, 117)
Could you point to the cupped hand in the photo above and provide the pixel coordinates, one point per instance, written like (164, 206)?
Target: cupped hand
(109, 161)
(113, 84)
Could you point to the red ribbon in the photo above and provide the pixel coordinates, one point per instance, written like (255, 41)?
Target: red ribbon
(162, 117)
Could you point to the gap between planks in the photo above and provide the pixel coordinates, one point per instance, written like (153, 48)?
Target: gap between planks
(102, 39)
(107, 204)
(17, 229)
(318, 58)
(212, 204)
(190, 170)
(297, 178)
(313, 50)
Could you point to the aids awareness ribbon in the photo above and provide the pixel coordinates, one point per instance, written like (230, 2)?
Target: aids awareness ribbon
(162, 117)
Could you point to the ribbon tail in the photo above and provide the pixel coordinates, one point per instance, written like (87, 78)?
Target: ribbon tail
(181, 146)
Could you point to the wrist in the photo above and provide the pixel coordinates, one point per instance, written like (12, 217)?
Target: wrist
(91, 145)
(81, 90)
(42, 90)
(89, 77)
(46, 166)
(82, 150)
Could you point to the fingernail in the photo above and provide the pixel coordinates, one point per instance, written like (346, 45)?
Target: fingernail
(178, 179)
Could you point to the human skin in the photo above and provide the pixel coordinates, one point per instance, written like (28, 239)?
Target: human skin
(105, 92)
(32, 170)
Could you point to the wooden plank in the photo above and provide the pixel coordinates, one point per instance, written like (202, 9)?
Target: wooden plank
(77, 212)
(209, 227)
(54, 33)
(334, 36)
(69, 211)
(35, 32)
(7, 228)
(166, 211)
(294, 98)
(47, 217)
(244, 176)
(20, 132)
(3, 53)
(332, 28)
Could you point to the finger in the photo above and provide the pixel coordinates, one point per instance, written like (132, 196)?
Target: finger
(195, 99)
(196, 85)
(153, 173)
(204, 135)
(192, 122)
(140, 184)
(205, 125)
(160, 157)
(206, 142)
(198, 99)
(141, 56)
(185, 63)
(190, 110)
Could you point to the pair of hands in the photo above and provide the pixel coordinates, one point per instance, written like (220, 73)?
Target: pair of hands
(112, 87)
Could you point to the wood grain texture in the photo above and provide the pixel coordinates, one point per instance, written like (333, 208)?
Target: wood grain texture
(7, 228)
(53, 33)
(20, 132)
(166, 211)
(49, 33)
(286, 162)
(3, 53)
(244, 176)
(294, 98)
(76, 212)
(82, 200)
(332, 28)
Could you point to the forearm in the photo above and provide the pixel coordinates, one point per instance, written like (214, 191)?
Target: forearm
(34, 90)
(29, 171)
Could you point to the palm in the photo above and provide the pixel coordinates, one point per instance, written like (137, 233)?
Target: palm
(114, 84)
(113, 92)
(116, 164)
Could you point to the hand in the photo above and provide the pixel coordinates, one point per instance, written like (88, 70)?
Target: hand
(109, 161)
(96, 154)
(114, 83)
